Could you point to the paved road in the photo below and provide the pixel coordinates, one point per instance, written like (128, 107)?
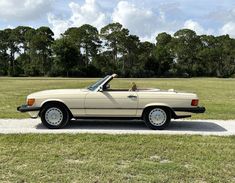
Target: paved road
(201, 127)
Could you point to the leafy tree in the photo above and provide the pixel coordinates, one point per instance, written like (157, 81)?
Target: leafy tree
(163, 53)
(3, 53)
(82, 51)
(86, 39)
(25, 65)
(66, 56)
(147, 64)
(105, 64)
(12, 49)
(226, 60)
(89, 41)
(208, 55)
(145, 51)
(23, 41)
(216, 56)
(41, 49)
(186, 47)
(131, 46)
(114, 37)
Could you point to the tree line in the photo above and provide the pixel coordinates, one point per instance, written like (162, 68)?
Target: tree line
(86, 52)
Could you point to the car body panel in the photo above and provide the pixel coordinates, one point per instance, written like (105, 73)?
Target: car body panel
(111, 103)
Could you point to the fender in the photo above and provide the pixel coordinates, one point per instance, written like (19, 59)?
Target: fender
(160, 105)
(156, 104)
(56, 100)
(52, 100)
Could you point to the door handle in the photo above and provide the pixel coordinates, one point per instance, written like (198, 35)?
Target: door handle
(132, 96)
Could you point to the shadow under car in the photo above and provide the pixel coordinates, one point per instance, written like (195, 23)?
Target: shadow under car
(196, 126)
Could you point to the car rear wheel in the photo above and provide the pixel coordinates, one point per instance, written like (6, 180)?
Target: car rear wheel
(54, 116)
(157, 118)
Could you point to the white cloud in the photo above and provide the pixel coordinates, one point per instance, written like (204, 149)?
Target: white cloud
(140, 21)
(143, 18)
(58, 26)
(91, 13)
(143, 22)
(228, 28)
(24, 10)
(193, 25)
(88, 13)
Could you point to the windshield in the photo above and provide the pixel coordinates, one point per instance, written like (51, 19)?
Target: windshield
(97, 84)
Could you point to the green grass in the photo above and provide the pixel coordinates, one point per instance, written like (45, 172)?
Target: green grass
(217, 95)
(116, 158)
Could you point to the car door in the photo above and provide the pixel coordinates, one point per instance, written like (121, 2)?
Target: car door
(111, 104)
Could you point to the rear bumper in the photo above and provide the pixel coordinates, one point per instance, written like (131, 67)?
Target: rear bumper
(179, 110)
(26, 108)
(190, 109)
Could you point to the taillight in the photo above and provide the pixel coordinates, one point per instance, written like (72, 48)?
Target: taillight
(194, 102)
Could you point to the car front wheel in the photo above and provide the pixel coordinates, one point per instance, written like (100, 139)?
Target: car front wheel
(54, 116)
(157, 118)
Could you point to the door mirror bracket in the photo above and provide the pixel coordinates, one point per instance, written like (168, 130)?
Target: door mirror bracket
(101, 89)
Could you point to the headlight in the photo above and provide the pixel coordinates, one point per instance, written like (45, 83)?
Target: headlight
(30, 101)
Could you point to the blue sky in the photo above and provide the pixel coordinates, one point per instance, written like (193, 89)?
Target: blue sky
(144, 18)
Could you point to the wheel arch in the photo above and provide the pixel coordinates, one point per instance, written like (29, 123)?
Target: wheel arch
(55, 101)
(161, 105)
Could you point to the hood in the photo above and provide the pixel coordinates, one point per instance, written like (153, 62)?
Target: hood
(57, 92)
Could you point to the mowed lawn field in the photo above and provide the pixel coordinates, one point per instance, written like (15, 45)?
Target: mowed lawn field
(116, 158)
(100, 158)
(217, 95)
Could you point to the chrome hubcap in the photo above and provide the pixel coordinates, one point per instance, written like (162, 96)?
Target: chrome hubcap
(157, 117)
(54, 116)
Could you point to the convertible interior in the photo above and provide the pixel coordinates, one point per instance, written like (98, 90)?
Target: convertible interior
(107, 87)
(133, 87)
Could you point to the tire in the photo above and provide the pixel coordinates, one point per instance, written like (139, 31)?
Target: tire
(55, 116)
(157, 118)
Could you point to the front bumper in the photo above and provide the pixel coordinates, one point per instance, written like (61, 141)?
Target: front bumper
(190, 109)
(26, 108)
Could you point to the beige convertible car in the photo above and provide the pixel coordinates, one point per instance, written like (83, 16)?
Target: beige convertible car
(156, 107)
